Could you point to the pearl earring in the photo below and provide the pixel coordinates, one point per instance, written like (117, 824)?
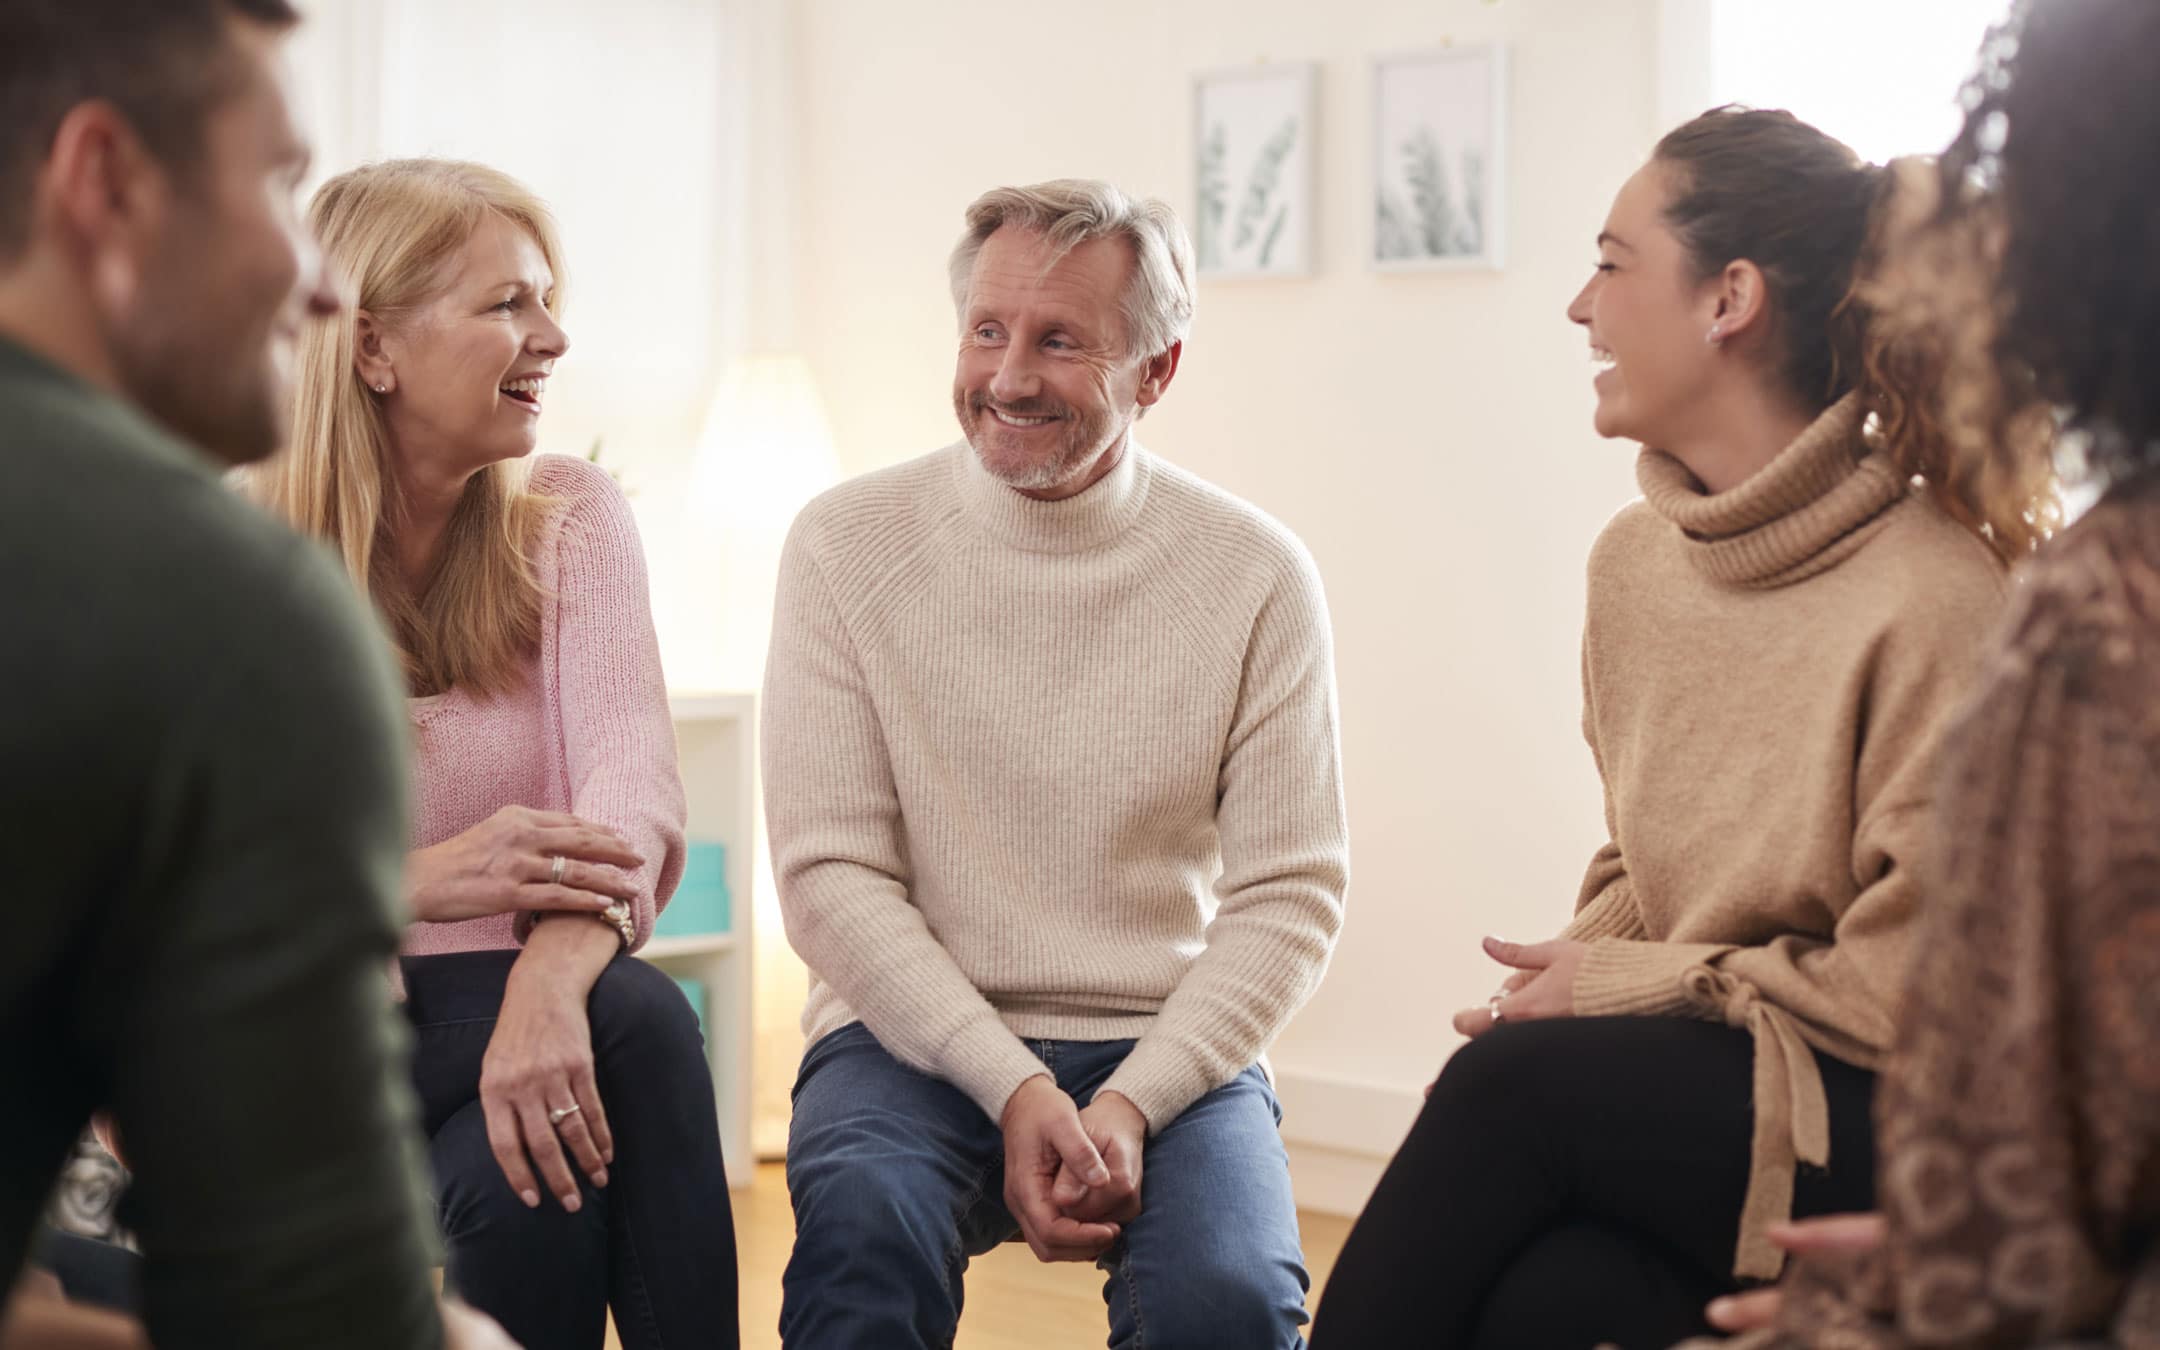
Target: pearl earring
(382, 388)
(1717, 334)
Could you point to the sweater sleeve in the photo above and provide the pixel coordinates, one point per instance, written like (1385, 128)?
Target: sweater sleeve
(261, 1079)
(1605, 903)
(1840, 987)
(1285, 852)
(840, 854)
(618, 738)
(1607, 907)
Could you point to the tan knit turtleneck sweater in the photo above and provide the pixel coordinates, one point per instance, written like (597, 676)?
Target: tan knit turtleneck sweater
(1060, 770)
(1767, 676)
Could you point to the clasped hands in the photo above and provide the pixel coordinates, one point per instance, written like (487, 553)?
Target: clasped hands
(1072, 1174)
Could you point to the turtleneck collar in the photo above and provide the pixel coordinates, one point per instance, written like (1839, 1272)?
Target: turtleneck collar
(1801, 514)
(1080, 522)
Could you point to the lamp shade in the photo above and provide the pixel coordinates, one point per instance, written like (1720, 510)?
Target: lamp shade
(764, 451)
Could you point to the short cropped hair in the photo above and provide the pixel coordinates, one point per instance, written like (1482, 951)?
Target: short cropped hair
(157, 61)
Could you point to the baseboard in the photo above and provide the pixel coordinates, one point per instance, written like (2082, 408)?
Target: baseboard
(1340, 1134)
(1327, 1181)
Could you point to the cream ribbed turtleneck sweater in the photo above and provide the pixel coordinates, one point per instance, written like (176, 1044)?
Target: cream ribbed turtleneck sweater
(1767, 676)
(1061, 770)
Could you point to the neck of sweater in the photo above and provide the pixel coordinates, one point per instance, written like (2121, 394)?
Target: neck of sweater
(1803, 512)
(1079, 522)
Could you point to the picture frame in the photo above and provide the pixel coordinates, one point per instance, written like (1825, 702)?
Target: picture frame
(1439, 168)
(1254, 148)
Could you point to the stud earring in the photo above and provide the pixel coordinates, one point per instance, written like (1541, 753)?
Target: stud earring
(1717, 334)
(382, 388)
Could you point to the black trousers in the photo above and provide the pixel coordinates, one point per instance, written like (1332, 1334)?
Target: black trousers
(1576, 1182)
(657, 1244)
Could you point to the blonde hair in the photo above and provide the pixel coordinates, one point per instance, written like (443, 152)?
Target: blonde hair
(392, 229)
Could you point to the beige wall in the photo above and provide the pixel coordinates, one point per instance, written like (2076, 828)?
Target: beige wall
(1428, 436)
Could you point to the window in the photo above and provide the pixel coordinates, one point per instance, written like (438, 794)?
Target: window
(1881, 75)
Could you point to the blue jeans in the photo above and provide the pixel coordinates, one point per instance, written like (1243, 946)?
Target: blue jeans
(657, 1244)
(898, 1178)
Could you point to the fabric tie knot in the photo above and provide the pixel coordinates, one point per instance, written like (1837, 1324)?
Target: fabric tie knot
(1792, 1112)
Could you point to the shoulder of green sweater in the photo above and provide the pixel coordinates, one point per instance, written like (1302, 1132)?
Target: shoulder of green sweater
(144, 510)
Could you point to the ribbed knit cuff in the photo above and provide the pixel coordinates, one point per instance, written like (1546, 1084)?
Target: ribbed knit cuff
(987, 1062)
(1620, 978)
(1611, 915)
(1158, 1080)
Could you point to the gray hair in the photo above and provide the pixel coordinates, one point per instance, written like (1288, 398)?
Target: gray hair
(1069, 212)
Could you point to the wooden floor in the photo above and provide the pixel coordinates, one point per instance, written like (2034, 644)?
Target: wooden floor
(1014, 1302)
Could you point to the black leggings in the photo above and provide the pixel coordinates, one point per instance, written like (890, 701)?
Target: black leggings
(658, 1244)
(1574, 1182)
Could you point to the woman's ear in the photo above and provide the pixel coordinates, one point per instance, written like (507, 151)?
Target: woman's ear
(371, 359)
(1743, 302)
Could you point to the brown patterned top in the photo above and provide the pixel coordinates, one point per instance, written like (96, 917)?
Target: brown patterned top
(2020, 1115)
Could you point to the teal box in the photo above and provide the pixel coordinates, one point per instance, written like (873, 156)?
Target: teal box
(700, 905)
(694, 990)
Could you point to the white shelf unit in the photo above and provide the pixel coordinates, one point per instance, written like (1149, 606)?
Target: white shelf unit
(716, 746)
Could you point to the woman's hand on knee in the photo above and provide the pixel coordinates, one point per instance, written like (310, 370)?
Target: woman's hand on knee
(1541, 986)
(540, 1095)
(521, 859)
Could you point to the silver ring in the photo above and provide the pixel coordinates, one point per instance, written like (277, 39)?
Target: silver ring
(555, 876)
(1493, 1004)
(562, 1113)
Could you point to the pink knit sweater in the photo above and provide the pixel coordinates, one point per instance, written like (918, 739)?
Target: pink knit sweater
(587, 732)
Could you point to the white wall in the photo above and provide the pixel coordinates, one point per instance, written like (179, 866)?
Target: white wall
(1428, 436)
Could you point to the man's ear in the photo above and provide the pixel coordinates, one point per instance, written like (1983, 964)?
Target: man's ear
(1156, 375)
(104, 197)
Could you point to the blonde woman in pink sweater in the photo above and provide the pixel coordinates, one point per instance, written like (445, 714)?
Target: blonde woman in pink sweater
(567, 1102)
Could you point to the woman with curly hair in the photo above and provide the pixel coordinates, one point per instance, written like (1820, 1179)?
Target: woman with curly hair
(2020, 1112)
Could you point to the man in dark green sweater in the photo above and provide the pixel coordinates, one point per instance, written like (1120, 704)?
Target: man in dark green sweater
(202, 814)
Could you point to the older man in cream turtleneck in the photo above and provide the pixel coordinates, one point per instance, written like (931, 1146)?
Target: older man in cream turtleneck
(1053, 779)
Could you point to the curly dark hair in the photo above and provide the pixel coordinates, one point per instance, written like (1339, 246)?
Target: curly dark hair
(2055, 168)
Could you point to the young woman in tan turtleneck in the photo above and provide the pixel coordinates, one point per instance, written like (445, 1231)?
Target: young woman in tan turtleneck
(1775, 636)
